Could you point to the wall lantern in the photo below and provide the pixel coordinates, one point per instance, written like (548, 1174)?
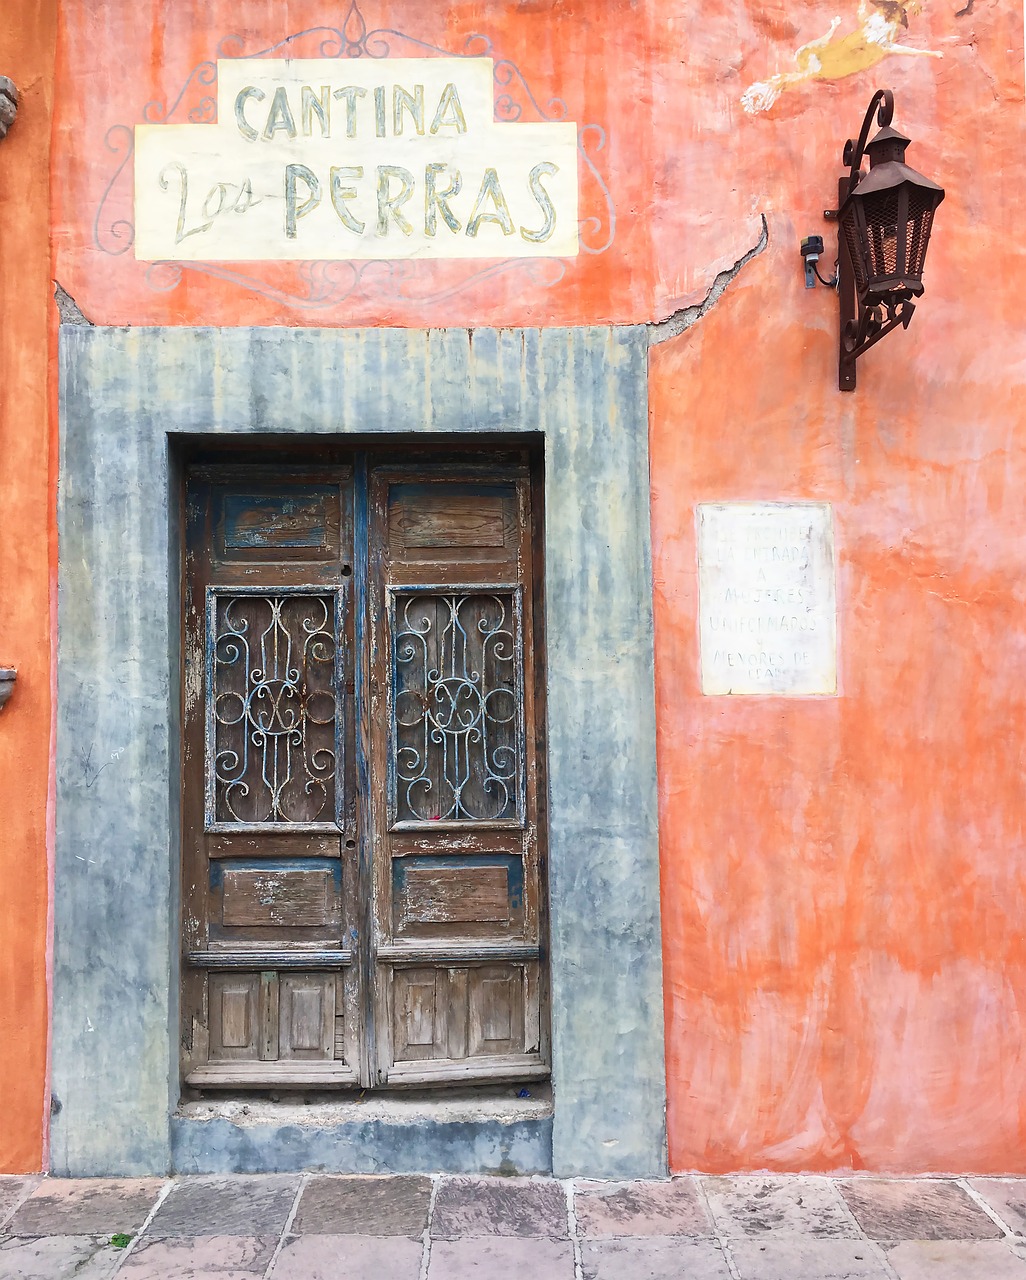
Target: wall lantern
(884, 222)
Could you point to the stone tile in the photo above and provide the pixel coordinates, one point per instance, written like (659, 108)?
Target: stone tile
(1007, 1197)
(804, 1258)
(50, 1257)
(12, 1191)
(753, 1206)
(641, 1209)
(86, 1207)
(955, 1260)
(499, 1259)
(371, 1206)
(324, 1257)
(499, 1207)
(653, 1258)
(241, 1206)
(216, 1257)
(900, 1209)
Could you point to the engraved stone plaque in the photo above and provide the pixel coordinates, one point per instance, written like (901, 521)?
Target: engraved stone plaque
(768, 621)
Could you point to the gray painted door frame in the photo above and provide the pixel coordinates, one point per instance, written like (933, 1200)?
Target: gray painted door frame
(124, 394)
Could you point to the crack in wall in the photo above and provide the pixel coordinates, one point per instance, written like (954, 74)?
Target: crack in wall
(673, 326)
(680, 321)
(69, 309)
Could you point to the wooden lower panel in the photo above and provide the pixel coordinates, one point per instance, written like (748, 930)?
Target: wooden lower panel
(419, 1013)
(306, 1017)
(495, 1008)
(456, 1011)
(234, 1016)
(260, 1019)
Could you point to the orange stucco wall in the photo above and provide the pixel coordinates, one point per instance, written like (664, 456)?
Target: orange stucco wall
(843, 878)
(148, 61)
(27, 30)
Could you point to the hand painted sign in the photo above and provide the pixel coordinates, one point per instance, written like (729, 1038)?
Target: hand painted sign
(323, 159)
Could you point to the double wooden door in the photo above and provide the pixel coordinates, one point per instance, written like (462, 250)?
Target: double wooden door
(363, 875)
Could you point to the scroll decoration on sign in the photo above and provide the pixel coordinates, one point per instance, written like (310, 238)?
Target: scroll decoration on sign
(361, 154)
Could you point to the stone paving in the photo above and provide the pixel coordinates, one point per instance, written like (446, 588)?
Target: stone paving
(321, 1227)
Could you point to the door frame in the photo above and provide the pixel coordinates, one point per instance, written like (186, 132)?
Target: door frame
(369, 958)
(126, 394)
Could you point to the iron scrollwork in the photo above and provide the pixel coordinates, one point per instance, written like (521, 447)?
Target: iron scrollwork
(274, 744)
(457, 707)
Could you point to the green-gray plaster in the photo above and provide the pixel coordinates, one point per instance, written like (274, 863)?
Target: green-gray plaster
(417, 1145)
(123, 391)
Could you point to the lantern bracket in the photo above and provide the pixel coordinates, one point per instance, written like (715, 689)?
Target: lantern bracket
(861, 327)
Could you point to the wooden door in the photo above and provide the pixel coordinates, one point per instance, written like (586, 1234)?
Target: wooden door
(271, 983)
(362, 893)
(457, 924)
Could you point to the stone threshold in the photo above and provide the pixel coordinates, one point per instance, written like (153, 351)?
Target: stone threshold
(491, 1131)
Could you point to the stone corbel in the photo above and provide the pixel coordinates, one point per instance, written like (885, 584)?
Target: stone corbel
(8, 106)
(8, 675)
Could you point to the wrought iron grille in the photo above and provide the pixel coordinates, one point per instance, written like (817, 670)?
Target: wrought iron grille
(457, 707)
(274, 725)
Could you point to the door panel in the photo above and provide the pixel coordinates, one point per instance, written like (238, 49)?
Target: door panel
(280, 895)
(234, 1015)
(270, 885)
(306, 1018)
(454, 809)
(483, 895)
(389, 932)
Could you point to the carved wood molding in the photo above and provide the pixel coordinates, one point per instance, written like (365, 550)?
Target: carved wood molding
(8, 105)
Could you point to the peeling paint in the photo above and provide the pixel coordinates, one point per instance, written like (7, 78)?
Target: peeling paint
(68, 308)
(680, 321)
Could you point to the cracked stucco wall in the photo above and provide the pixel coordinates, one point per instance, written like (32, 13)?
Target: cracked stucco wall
(842, 931)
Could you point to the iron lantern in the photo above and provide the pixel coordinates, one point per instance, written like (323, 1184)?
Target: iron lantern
(884, 222)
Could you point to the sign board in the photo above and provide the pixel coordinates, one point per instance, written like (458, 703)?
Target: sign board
(768, 622)
(355, 159)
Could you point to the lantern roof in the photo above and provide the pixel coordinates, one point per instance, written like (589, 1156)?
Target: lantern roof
(889, 174)
(884, 142)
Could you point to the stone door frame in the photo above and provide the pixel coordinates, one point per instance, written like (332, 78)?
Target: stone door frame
(126, 394)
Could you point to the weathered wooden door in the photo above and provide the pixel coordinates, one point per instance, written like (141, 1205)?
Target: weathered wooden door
(362, 869)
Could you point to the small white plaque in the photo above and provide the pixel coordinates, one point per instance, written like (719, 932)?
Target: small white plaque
(768, 619)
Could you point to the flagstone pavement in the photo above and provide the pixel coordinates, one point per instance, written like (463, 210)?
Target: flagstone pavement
(321, 1227)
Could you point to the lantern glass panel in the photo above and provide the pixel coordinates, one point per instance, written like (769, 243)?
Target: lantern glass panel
(921, 205)
(882, 214)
